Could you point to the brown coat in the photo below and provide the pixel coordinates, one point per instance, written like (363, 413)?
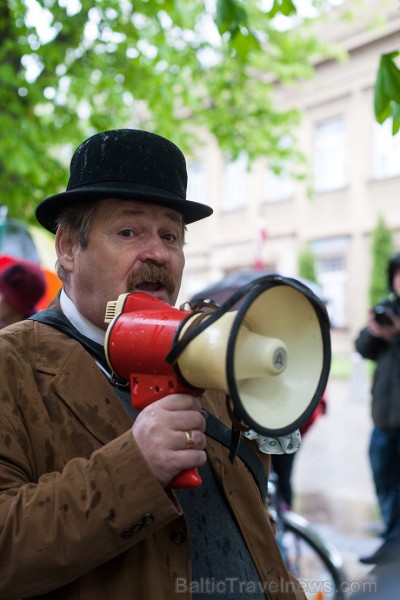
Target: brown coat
(81, 515)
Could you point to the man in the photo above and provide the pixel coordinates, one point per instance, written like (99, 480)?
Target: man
(380, 341)
(22, 285)
(85, 507)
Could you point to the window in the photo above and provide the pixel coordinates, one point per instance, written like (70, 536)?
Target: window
(333, 279)
(330, 255)
(234, 184)
(385, 151)
(330, 155)
(197, 182)
(278, 187)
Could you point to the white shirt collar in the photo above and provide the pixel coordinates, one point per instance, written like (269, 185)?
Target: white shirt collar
(80, 322)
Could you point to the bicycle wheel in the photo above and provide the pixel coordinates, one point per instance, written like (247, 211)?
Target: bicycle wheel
(313, 561)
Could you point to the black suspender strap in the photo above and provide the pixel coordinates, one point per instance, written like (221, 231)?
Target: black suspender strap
(220, 432)
(57, 319)
(214, 427)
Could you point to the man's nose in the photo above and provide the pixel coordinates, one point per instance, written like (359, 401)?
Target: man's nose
(153, 248)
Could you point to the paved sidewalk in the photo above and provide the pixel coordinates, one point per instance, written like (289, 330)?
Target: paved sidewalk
(332, 482)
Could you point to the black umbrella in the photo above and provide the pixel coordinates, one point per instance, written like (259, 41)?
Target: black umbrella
(228, 285)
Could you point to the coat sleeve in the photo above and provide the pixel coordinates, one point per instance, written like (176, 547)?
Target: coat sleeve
(57, 526)
(368, 345)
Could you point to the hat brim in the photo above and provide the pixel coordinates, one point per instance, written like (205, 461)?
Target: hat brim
(47, 211)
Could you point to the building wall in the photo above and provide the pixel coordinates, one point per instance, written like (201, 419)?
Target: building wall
(337, 134)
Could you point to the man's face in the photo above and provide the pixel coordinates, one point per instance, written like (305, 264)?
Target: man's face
(133, 247)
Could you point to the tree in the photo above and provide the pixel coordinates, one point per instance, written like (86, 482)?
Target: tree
(306, 265)
(382, 250)
(171, 66)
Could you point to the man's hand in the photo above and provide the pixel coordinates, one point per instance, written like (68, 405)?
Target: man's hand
(160, 432)
(385, 332)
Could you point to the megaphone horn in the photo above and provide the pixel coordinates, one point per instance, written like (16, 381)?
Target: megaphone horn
(271, 356)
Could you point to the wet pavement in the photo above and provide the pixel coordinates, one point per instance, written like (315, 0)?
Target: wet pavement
(332, 481)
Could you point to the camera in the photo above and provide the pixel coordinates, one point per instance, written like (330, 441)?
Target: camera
(383, 314)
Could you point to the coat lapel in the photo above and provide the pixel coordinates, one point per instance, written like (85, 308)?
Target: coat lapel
(81, 385)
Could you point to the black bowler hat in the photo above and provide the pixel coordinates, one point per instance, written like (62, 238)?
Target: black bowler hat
(128, 164)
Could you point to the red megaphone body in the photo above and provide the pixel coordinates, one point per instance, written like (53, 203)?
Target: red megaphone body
(141, 333)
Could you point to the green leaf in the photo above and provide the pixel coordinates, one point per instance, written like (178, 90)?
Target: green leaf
(387, 86)
(284, 7)
(396, 118)
(229, 16)
(391, 75)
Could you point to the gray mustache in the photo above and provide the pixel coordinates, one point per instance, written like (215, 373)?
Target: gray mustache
(154, 273)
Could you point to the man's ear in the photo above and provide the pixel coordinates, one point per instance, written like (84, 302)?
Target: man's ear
(64, 245)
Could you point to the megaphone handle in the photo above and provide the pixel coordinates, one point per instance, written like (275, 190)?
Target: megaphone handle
(146, 389)
(190, 478)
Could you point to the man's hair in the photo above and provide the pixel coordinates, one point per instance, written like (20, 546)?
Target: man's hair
(77, 219)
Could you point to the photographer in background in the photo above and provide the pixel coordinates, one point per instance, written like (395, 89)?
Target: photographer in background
(380, 341)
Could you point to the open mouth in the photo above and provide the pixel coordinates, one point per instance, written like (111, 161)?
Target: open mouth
(149, 286)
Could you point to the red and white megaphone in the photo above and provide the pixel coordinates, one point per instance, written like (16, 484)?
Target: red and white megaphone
(271, 356)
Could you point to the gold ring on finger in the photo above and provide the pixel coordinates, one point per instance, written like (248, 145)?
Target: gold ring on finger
(189, 439)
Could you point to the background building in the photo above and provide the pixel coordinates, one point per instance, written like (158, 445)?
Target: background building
(264, 219)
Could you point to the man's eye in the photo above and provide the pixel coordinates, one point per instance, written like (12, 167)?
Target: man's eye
(127, 233)
(172, 237)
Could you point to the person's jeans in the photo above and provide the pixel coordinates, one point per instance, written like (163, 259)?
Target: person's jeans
(384, 455)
